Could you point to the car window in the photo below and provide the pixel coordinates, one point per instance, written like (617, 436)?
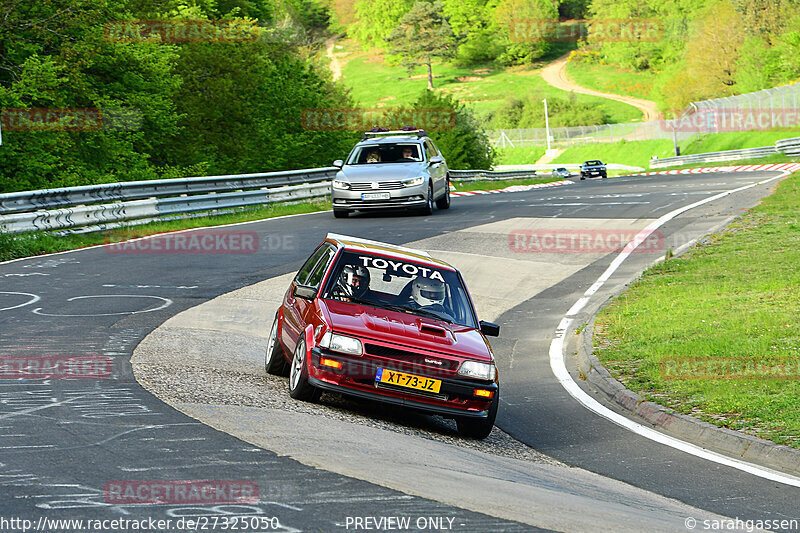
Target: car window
(391, 283)
(431, 149)
(385, 153)
(308, 273)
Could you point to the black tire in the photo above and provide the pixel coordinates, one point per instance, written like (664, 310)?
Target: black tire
(604, 175)
(444, 201)
(275, 361)
(340, 213)
(479, 428)
(583, 177)
(428, 209)
(299, 387)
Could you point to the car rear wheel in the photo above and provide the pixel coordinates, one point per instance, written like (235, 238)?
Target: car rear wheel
(444, 201)
(275, 362)
(340, 213)
(428, 209)
(299, 387)
(479, 428)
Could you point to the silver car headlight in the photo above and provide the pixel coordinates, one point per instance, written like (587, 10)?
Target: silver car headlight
(340, 184)
(474, 369)
(413, 182)
(341, 343)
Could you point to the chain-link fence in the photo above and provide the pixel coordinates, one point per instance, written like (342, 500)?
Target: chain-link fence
(778, 107)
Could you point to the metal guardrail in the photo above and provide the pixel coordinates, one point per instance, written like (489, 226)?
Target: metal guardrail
(790, 147)
(711, 157)
(89, 205)
(112, 203)
(490, 175)
(18, 202)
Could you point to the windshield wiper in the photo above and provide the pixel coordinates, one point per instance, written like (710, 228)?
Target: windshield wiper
(423, 312)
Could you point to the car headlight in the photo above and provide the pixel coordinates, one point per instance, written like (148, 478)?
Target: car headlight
(474, 369)
(413, 182)
(341, 343)
(340, 184)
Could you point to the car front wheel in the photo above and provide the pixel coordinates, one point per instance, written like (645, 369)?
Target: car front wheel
(444, 201)
(340, 213)
(479, 428)
(299, 387)
(428, 209)
(275, 362)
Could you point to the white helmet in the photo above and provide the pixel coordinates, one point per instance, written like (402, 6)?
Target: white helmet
(426, 291)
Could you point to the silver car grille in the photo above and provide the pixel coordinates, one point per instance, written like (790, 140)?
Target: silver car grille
(382, 186)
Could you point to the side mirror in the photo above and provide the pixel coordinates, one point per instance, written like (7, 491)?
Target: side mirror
(306, 293)
(338, 163)
(490, 329)
(435, 160)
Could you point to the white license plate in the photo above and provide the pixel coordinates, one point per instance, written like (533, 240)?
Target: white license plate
(375, 196)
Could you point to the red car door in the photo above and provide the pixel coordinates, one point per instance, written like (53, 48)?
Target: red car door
(296, 309)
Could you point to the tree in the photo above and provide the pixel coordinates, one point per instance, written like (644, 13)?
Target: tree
(375, 20)
(464, 143)
(422, 35)
(511, 16)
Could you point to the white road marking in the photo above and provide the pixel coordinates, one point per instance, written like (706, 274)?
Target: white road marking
(562, 374)
(34, 298)
(167, 303)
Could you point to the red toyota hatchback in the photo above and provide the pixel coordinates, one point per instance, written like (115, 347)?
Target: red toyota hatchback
(386, 323)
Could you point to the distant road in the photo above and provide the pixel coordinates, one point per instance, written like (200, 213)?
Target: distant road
(555, 74)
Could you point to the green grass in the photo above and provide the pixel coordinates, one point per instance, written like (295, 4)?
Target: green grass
(499, 184)
(735, 298)
(734, 141)
(30, 244)
(519, 155)
(634, 153)
(612, 79)
(376, 84)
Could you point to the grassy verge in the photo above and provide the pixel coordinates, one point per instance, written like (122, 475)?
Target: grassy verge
(734, 141)
(499, 184)
(693, 331)
(777, 158)
(634, 153)
(519, 155)
(30, 244)
(373, 83)
(612, 79)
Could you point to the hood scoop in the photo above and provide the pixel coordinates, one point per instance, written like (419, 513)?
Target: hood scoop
(432, 330)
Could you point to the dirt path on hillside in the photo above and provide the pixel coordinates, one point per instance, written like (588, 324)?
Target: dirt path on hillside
(555, 74)
(335, 66)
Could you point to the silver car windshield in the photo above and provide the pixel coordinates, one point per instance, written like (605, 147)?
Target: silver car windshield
(368, 154)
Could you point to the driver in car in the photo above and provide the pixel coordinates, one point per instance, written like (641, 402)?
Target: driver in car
(353, 284)
(430, 294)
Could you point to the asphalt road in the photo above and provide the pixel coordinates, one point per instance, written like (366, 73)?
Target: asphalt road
(64, 440)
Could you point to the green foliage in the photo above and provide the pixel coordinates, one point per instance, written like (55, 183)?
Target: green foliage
(375, 20)
(528, 112)
(466, 145)
(168, 110)
(422, 35)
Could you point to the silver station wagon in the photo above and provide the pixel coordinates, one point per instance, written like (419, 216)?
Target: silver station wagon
(401, 169)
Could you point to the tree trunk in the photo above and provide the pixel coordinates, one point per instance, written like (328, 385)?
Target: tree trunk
(430, 75)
